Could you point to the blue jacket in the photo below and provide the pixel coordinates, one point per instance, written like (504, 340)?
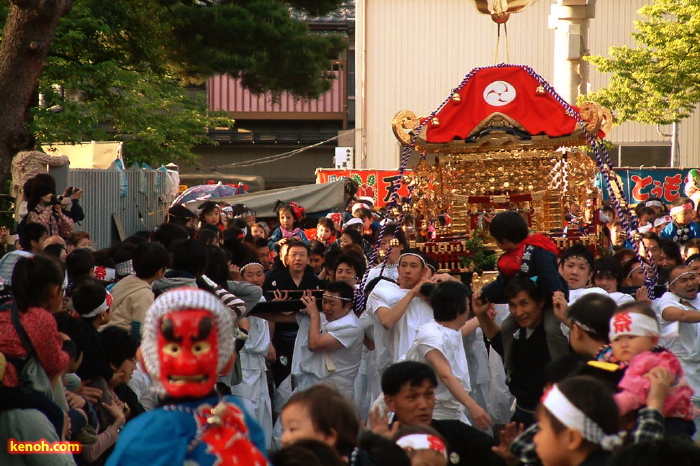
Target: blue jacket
(161, 437)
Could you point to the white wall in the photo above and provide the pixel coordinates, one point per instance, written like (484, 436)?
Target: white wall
(412, 53)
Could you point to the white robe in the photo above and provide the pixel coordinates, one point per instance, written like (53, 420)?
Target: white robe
(253, 389)
(682, 338)
(391, 345)
(433, 336)
(574, 295)
(346, 360)
(337, 368)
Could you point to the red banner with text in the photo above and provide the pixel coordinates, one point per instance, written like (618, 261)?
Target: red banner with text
(372, 183)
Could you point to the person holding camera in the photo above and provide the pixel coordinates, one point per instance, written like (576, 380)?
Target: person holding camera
(44, 207)
(70, 204)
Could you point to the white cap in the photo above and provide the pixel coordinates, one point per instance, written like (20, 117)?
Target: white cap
(360, 205)
(661, 220)
(353, 221)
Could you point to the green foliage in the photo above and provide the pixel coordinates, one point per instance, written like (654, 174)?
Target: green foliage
(122, 67)
(153, 115)
(315, 7)
(480, 258)
(657, 82)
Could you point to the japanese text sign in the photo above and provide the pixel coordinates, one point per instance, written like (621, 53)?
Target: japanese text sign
(372, 183)
(641, 184)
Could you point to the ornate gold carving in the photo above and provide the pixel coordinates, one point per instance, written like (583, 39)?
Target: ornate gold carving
(402, 124)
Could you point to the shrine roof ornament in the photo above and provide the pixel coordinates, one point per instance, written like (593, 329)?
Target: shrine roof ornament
(500, 10)
(503, 107)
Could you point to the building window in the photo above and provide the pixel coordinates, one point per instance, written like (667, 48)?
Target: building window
(649, 155)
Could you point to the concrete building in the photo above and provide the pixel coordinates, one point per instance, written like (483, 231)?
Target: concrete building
(412, 53)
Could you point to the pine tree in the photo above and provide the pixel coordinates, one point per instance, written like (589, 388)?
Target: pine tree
(117, 69)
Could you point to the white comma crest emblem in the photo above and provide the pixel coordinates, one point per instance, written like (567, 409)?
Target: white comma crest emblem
(499, 93)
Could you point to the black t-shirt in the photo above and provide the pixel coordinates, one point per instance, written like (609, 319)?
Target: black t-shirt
(467, 445)
(283, 280)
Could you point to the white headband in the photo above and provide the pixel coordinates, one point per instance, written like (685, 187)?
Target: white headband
(101, 308)
(584, 327)
(684, 274)
(560, 407)
(632, 323)
(422, 442)
(653, 203)
(422, 259)
(359, 205)
(249, 264)
(635, 269)
(332, 296)
(125, 268)
(680, 208)
(575, 256)
(661, 220)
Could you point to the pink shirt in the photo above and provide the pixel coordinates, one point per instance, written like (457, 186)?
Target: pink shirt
(634, 387)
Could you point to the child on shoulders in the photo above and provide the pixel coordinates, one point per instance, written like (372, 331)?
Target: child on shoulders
(525, 254)
(289, 216)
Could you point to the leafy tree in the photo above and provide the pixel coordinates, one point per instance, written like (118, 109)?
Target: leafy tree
(153, 115)
(659, 81)
(117, 69)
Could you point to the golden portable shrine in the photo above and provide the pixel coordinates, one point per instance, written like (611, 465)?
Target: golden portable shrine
(504, 140)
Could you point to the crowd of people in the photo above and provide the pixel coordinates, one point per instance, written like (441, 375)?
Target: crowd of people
(221, 338)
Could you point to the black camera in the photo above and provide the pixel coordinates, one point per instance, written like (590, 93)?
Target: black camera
(56, 199)
(70, 190)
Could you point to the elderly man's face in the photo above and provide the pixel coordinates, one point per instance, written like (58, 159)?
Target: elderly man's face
(414, 404)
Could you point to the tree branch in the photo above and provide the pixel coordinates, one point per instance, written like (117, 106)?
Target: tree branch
(64, 56)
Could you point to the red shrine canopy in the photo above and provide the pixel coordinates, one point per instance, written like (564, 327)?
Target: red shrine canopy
(503, 107)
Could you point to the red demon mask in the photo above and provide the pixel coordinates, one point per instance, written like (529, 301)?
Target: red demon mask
(187, 352)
